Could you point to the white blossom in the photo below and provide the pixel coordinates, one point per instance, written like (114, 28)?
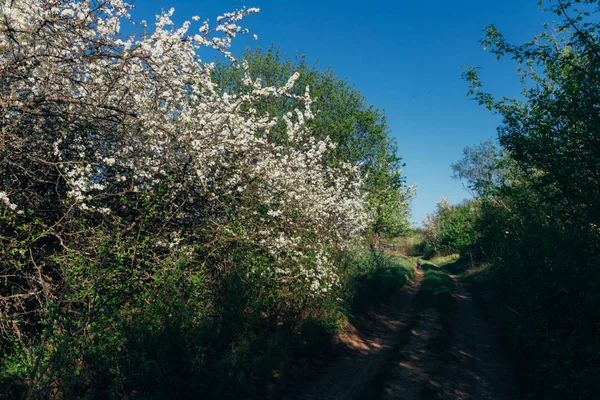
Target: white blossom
(158, 113)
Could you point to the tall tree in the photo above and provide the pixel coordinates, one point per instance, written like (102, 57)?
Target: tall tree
(553, 133)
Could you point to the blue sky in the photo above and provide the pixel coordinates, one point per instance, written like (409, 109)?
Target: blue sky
(405, 57)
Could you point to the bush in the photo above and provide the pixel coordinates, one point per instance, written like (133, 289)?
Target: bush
(155, 240)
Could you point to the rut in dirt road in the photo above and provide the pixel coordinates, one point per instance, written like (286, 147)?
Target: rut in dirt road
(482, 370)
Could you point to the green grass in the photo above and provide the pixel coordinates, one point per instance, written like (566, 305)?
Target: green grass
(407, 245)
(379, 280)
(436, 290)
(444, 260)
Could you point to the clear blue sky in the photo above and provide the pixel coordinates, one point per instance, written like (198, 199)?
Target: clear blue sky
(405, 57)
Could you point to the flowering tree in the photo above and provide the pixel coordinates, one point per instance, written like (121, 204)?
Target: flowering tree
(359, 130)
(119, 155)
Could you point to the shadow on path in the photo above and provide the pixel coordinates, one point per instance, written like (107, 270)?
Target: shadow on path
(480, 369)
(365, 348)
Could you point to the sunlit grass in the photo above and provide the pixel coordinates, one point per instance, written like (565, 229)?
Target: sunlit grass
(437, 289)
(407, 245)
(382, 275)
(444, 260)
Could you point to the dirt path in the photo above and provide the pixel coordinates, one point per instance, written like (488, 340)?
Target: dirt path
(409, 374)
(481, 370)
(366, 349)
(413, 351)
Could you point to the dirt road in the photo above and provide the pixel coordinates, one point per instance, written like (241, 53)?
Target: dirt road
(416, 349)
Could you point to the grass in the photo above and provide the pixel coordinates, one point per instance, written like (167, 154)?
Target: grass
(442, 261)
(436, 290)
(407, 245)
(381, 278)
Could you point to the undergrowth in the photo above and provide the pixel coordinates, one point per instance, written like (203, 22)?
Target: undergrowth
(556, 349)
(378, 279)
(178, 341)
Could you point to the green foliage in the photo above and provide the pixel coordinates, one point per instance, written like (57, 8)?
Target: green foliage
(451, 229)
(121, 318)
(409, 244)
(168, 328)
(159, 238)
(169, 295)
(483, 168)
(539, 228)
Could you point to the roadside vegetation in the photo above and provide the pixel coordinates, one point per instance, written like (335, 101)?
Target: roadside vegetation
(378, 278)
(530, 236)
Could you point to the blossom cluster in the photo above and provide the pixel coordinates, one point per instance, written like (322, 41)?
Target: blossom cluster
(113, 114)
